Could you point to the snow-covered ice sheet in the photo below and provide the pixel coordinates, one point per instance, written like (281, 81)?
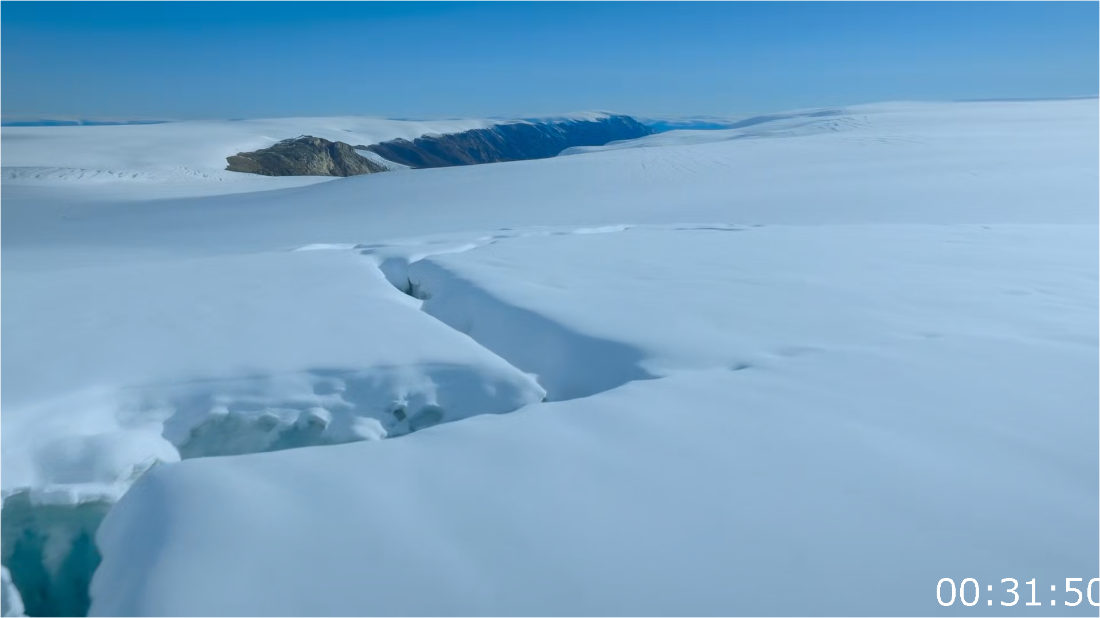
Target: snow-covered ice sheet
(834, 408)
(844, 483)
(809, 364)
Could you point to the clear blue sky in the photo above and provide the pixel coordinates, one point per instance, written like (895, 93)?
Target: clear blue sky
(257, 59)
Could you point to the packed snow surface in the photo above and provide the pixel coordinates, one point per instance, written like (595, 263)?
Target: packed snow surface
(809, 364)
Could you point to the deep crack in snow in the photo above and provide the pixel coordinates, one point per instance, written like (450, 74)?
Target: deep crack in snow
(48, 545)
(559, 357)
(50, 552)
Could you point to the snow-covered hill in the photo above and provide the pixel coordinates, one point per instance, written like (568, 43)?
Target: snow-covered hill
(811, 364)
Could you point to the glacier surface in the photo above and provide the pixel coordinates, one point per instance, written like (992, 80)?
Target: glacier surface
(808, 364)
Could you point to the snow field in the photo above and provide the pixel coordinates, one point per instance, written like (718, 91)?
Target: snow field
(874, 367)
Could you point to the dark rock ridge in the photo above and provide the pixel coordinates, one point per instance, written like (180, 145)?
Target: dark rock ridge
(512, 141)
(516, 141)
(304, 156)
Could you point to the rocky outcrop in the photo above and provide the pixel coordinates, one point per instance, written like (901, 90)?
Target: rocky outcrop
(511, 141)
(304, 156)
(516, 141)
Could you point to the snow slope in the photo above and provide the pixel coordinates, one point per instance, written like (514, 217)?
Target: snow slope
(799, 491)
(811, 367)
(837, 409)
(802, 290)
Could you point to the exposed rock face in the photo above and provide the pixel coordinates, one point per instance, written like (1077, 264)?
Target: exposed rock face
(304, 156)
(515, 141)
(508, 142)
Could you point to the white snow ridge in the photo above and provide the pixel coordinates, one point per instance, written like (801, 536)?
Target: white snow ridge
(808, 364)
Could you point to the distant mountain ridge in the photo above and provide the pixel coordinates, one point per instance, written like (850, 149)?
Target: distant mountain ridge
(508, 142)
(511, 141)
